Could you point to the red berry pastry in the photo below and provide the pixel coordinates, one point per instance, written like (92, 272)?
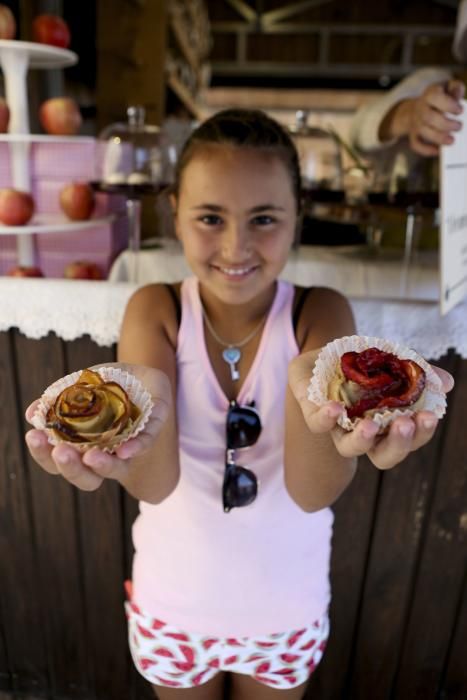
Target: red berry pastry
(375, 378)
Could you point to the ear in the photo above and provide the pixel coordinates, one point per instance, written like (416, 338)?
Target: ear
(173, 207)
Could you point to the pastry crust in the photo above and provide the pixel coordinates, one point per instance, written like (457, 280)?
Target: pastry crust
(91, 411)
(330, 383)
(88, 408)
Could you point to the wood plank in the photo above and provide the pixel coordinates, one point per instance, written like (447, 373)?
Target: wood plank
(454, 685)
(441, 573)
(354, 516)
(403, 509)
(101, 536)
(11, 696)
(58, 578)
(20, 603)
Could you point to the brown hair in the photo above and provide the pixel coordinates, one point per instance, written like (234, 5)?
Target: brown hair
(250, 128)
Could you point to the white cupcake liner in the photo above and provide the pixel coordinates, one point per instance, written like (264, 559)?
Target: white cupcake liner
(133, 387)
(327, 365)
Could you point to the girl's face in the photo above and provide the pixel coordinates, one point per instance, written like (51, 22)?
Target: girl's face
(236, 218)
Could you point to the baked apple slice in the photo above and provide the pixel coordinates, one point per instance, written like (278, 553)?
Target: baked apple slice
(91, 411)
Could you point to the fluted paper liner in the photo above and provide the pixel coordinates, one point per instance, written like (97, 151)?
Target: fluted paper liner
(327, 365)
(133, 387)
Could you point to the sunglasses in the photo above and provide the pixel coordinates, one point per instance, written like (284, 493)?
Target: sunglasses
(243, 428)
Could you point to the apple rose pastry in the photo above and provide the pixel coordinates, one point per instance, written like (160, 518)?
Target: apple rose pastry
(94, 408)
(374, 378)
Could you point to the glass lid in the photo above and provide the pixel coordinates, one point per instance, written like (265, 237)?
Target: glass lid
(131, 153)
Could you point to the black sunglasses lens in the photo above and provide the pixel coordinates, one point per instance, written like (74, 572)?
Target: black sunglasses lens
(243, 427)
(240, 487)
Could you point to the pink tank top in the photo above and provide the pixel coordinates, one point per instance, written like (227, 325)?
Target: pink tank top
(259, 569)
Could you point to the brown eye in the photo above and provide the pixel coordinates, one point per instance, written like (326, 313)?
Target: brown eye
(210, 220)
(263, 220)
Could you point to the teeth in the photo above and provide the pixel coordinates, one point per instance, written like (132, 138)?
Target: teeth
(236, 271)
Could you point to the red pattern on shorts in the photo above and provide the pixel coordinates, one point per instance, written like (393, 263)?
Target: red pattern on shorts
(165, 655)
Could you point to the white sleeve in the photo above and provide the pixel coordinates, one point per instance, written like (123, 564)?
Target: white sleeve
(365, 125)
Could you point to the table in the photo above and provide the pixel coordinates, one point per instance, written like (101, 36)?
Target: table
(352, 270)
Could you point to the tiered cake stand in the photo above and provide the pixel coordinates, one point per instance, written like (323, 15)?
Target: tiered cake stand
(16, 57)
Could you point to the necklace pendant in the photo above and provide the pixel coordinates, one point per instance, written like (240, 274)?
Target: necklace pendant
(232, 356)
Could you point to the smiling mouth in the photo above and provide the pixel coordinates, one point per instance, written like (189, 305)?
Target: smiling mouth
(235, 271)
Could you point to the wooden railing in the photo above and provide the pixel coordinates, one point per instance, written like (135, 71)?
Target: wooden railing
(399, 610)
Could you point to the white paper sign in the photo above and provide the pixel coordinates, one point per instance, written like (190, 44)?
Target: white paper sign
(453, 238)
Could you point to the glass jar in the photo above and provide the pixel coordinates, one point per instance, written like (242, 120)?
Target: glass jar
(319, 153)
(131, 154)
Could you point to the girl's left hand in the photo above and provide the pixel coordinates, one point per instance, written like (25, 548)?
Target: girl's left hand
(406, 433)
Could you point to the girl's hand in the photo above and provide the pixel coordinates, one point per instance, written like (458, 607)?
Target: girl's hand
(88, 470)
(405, 435)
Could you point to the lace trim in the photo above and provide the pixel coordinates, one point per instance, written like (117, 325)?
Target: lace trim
(68, 308)
(72, 308)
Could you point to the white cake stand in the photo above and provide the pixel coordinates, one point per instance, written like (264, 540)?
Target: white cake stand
(16, 57)
(49, 223)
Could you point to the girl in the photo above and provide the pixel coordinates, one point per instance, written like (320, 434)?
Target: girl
(237, 469)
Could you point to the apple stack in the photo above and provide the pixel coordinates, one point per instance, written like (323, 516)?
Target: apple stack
(60, 172)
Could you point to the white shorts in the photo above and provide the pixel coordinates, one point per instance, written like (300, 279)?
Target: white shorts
(168, 656)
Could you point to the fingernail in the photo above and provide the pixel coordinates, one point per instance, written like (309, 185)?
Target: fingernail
(406, 430)
(33, 441)
(129, 451)
(429, 423)
(64, 459)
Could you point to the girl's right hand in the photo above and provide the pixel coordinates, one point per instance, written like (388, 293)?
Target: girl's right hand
(88, 470)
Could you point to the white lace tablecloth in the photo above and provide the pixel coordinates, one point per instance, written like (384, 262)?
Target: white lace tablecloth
(72, 308)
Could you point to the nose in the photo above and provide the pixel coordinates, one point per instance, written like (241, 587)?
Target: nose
(236, 243)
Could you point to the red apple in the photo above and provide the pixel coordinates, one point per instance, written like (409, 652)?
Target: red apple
(77, 200)
(7, 23)
(4, 116)
(60, 116)
(51, 29)
(25, 271)
(16, 207)
(83, 270)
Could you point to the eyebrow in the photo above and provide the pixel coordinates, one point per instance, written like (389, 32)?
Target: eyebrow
(254, 210)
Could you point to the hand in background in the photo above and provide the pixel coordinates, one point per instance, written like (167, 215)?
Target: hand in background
(427, 121)
(405, 435)
(88, 470)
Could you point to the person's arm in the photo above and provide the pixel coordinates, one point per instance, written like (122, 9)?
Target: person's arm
(365, 129)
(426, 121)
(147, 465)
(315, 473)
(148, 337)
(320, 464)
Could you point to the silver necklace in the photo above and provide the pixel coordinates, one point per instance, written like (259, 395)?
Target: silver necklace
(231, 353)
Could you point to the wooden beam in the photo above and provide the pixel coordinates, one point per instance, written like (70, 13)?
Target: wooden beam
(243, 10)
(288, 10)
